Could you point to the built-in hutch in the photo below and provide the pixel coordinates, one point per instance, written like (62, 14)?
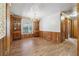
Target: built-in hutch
(15, 27)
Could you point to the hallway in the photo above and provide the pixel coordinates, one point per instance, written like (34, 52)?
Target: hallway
(42, 47)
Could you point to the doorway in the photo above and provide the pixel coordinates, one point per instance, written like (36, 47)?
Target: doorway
(68, 26)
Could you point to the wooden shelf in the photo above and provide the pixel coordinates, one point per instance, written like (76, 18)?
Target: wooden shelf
(16, 27)
(36, 28)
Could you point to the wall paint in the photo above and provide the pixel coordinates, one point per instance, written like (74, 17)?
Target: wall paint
(49, 14)
(50, 23)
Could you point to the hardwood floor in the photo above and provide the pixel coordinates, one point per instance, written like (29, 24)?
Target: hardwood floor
(41, 47)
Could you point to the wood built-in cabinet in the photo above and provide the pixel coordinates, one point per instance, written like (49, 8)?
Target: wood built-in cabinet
(15, 27)
(36, 28)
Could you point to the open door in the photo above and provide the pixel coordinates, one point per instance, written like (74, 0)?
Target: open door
(3, 46)
(4, 30)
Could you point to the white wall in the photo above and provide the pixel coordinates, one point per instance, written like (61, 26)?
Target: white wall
(49, 13)
(50, 23)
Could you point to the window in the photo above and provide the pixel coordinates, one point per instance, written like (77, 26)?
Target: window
(26, 26)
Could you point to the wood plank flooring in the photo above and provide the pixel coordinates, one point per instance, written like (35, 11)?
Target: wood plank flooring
(42, 47)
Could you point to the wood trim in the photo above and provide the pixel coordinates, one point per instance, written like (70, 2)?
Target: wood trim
(55, 37)
(8, 38)
(78, 30)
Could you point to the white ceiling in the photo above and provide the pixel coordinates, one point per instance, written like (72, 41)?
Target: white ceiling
(45, 8)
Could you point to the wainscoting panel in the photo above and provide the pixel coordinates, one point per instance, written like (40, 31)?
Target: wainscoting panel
(24, 36)
(55, 37)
